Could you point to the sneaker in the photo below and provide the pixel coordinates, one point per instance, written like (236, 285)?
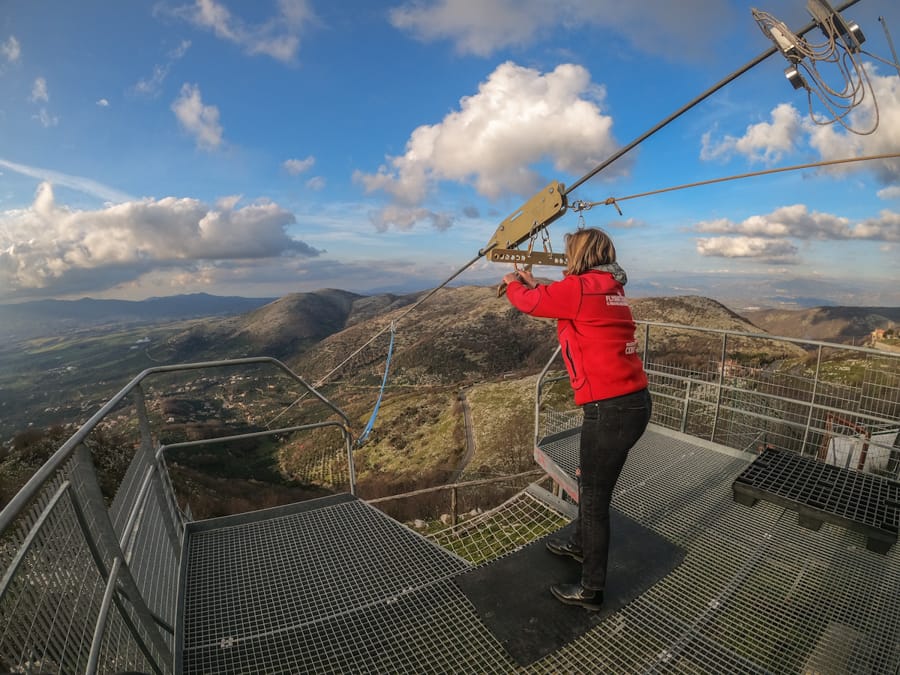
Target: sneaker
(576, 594)
(566, 547)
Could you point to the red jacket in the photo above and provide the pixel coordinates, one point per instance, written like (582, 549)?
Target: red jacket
(596, 331)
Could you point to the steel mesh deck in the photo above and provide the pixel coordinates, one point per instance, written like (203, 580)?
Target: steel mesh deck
(301, 585)
(756, 592)
(820, 492)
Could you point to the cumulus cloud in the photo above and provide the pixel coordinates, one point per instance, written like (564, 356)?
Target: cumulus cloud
(518, 118)
(834, 142)
(891, 192)
(764, 250)
(404, 218)
(103, 103)
(790, 130)
(152, 86)
(679, 30)
(798, 222)
(770, 237)
(39, 91)
(201, 121)
(278, 37)
(763, 142)
(316, 183)
(298, 166)
(47, 245)
(11, 50)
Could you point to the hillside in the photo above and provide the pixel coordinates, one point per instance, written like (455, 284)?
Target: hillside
(831, 324)
(282, 329)
(459, 335)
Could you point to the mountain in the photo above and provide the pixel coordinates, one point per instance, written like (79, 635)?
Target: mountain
(282, 329)
(690, 310)
(49, 317)
(458, 335)
(829, 324)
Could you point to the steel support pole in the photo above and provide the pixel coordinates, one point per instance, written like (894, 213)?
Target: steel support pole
(715, 424)
(812, 400)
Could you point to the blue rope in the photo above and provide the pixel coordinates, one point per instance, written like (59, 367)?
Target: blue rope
(365, 434)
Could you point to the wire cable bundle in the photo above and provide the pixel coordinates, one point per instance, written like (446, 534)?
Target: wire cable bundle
(840, 47)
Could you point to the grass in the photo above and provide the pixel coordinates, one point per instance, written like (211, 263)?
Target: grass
(414, 433)
(503, 419)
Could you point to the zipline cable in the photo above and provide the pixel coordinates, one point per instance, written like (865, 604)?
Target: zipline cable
(387, 366)
(612, 201)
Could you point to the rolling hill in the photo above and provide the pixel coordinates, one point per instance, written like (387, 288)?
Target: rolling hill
(831, 324)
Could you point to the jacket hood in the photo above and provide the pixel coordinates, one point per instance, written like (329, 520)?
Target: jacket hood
(613, 268)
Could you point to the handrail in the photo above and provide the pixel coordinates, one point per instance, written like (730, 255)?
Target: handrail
(767, 336)
(24, 495)
(345, 432)
(811, 401)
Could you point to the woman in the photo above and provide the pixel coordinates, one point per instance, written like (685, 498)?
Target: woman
(596, 333)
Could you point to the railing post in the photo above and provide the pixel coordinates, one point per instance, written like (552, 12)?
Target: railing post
(351, 466)
(812, 400)
(715, 424)
(158, 486)
(646, 343)
(100, 627)
(86, 492)
(687, 403)
(453, 506)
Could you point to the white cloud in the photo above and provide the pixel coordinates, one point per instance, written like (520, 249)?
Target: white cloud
(762, 142)
(626, 223)
(518, 118)
(85, 185)
(48, 246)
(298, 166)
(202, 121)
(891, 192)
(39, 91)
(790, 130)
(404, 218)
(798, 222)
(278, 37)
(45, 118)
(152, 86)
(679, 30)
(11, 50)
(765, 250)
(316, 183)
(103, 103)
(834, 142)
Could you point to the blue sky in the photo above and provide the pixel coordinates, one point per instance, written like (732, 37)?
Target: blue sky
(258, 149)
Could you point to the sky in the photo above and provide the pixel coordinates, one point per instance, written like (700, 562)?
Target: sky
(259, 149)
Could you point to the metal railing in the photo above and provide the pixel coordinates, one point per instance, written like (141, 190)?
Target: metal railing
(838, 403)
(90, 569)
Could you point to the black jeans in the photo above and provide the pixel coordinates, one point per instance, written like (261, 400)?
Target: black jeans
(609, 430)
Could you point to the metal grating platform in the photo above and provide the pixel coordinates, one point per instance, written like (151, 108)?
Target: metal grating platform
(819, 492)
(268, 591)
(756, 593)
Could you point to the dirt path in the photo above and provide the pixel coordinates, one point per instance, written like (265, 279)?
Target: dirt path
(470, 439)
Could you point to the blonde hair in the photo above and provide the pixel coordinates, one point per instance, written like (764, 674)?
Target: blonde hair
(587, 248)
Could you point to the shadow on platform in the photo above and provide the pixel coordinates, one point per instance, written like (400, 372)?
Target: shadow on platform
(512, 595)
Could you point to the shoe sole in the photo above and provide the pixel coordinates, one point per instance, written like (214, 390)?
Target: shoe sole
(566, 554)
(591, 607)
